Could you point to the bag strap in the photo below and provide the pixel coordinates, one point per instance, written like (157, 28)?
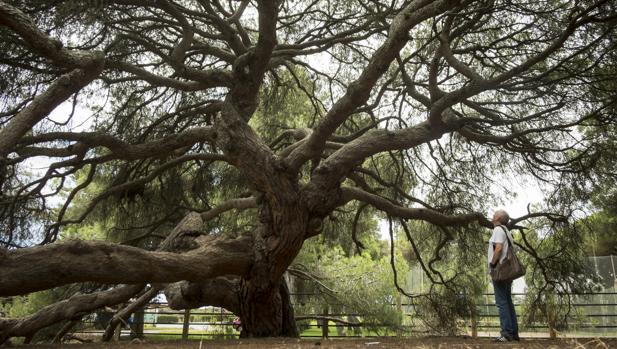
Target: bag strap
(510, 247)
(507, 237)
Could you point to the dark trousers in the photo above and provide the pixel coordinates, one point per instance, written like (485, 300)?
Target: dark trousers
(507, 314)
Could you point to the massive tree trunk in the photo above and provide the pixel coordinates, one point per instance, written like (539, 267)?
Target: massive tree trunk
(262, 314)
(261, 309)
(290, 329)
(266, 312)
(261, 298)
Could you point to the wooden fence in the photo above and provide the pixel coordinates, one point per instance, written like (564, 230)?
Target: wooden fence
(596, 315)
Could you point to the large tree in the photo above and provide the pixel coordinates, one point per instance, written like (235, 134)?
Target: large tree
(289, 110)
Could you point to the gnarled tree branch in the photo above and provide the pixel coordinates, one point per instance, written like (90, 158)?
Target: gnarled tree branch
(80, 261)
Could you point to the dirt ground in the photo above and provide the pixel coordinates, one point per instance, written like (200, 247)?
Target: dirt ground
(367, 343)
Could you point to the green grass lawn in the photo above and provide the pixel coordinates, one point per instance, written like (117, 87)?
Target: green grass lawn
(313, 331)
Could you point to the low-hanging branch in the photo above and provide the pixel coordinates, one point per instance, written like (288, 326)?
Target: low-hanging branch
(53, 229)
(70, 308)
(83, 304)
(218, 292)
(103, 262)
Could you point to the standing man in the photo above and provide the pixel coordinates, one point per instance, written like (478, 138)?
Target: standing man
(498, 246)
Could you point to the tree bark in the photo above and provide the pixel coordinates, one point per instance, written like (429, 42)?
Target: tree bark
(261, 309)
(284, 218)
(266, 311)
(290, 329)
(218, 292)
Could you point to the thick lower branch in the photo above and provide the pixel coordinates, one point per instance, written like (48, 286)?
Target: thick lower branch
(209, 79)
(218, 292)
(80, 305)
(38, 268)
(70, 308)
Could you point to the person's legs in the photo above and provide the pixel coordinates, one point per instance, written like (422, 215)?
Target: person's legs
(512, 312)
(503, 299)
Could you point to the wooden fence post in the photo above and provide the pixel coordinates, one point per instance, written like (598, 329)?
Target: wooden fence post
(185, 324)
(324, 323)
(137, 325)
(399, 308)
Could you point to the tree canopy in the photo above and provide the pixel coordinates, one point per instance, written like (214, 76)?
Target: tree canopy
(209, 139)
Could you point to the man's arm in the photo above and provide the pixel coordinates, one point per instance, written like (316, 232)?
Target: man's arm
(496, 254)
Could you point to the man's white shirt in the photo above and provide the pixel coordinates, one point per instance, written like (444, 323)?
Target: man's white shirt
(499, 237)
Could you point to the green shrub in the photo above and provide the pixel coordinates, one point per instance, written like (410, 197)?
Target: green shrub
(167, 319)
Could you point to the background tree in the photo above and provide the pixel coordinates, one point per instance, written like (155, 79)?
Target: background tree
(422, 109)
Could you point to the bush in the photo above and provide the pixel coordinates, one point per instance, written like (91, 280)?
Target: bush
(167, 319)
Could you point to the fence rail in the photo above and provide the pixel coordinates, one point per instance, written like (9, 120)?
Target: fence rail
(160, 321)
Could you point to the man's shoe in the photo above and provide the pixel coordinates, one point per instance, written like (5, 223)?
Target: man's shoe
(516, 338)
(502, 339)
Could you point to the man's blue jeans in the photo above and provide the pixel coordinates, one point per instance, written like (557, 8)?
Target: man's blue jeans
(507, 314)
